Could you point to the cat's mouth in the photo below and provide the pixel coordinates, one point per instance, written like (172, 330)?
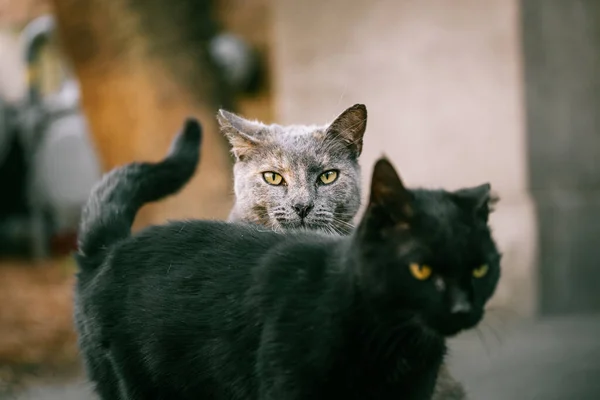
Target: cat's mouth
(452, 325)
(299, 224)
(312, 224)
(451, 329)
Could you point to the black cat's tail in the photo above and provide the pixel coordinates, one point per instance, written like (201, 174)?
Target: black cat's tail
(116, 199)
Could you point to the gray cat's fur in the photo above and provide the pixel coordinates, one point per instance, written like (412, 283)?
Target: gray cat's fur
(300, 153)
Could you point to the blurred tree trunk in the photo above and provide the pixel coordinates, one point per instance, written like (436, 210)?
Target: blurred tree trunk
(143, 67)
(251, 20)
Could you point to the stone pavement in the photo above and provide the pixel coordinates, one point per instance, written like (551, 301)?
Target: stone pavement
(549, 359)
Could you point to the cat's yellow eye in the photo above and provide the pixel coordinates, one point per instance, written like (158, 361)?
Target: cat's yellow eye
(328, 177)
(481, 271)
(273, 178)
(421, 272)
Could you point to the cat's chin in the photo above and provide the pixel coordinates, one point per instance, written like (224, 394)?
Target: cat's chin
(450, 331)
(291, 225)
(453, 326)
(303, 225)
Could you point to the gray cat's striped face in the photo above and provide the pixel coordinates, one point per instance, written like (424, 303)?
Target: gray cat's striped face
(289, 177)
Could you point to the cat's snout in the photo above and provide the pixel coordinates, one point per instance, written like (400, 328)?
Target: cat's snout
(459, 302)
(302, 209)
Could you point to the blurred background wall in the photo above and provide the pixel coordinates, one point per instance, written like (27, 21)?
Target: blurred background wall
(444, 90)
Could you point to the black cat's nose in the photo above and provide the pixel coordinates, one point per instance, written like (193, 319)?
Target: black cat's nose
(459, 301)
(302, 209)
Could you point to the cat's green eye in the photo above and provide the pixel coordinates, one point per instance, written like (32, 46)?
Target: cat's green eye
(481, 271)
(420, 272)
(273, 178)
(328, 177)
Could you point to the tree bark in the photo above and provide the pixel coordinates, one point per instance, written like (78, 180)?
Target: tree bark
(143, 67)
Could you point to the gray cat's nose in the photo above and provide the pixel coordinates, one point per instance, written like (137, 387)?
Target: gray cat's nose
(302, 209)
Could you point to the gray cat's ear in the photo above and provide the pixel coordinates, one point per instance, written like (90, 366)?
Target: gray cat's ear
(480, 199)
(241, 133)
(350, 127)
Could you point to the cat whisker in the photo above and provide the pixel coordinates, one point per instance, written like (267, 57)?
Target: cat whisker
(338, 232)
(489, 326)
(339, 221)
(345, 214)
(343, 229)
(330, 229)
(341, 232)
(483, 341)
(500, 319)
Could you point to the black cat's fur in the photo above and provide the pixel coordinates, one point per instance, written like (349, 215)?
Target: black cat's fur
(224, 311)
(107, 219)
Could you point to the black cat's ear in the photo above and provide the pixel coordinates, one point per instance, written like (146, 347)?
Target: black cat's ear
(242, 134)
(389, 198)
(479, 199)
(349, 127)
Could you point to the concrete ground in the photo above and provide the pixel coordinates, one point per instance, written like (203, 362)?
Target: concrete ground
(549, 359)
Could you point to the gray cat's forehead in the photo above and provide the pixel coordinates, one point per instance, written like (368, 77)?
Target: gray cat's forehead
(295, 146)
(292, 156)
(306, 132)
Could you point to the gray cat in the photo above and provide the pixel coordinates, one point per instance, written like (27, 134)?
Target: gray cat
(296, 176)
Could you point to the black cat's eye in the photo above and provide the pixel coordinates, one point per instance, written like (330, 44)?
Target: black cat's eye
(273, 178)
(419, 271)
(328, 177)
(481, 271)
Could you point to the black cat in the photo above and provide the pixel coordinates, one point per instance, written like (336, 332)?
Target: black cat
(215, 310)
